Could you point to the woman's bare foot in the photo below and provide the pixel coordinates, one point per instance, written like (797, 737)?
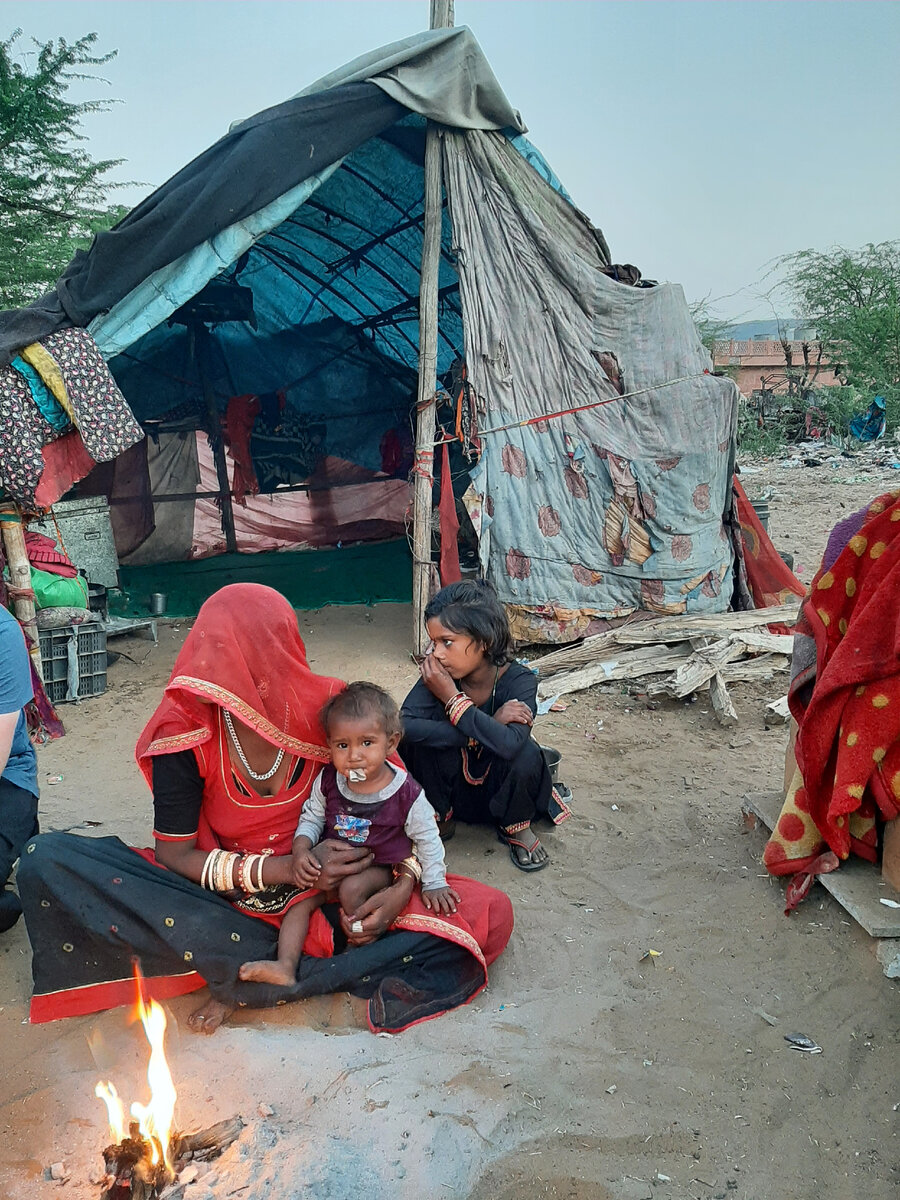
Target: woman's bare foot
(209, 1016)
(269, 970)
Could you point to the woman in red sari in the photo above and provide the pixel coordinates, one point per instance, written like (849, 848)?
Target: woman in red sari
(230, 754)
(842, 773)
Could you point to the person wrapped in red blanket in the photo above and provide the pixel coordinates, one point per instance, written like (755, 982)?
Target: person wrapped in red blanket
(842, 775)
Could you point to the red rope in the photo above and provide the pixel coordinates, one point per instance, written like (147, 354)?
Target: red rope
(594, 404)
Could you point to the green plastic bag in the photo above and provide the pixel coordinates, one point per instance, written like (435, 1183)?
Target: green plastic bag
(54, 591)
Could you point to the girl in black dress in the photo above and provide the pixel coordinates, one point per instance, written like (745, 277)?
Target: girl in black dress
(467, 725)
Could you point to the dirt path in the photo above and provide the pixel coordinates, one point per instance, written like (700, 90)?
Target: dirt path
(586, 1070)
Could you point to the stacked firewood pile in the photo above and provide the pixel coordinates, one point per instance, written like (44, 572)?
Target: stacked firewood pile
(677, 655)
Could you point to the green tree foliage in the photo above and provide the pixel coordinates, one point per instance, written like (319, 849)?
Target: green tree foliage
(53, 195)
(710, 328)
(853, 298)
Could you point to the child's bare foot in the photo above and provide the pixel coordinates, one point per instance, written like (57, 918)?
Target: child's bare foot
(209, 1016)
(269, 971)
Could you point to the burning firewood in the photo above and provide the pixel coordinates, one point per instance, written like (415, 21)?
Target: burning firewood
(132, 1173)
(144, 1165)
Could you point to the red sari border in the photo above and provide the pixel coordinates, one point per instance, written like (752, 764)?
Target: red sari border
(97, 997)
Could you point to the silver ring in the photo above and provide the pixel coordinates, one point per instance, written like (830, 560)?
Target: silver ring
(356, 927)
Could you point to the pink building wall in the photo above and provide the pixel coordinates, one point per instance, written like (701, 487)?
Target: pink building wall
(761, 365)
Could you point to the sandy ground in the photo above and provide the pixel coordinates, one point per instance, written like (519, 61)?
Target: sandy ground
(586, 1070)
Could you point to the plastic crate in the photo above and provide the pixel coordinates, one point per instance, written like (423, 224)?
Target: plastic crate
(88, 644)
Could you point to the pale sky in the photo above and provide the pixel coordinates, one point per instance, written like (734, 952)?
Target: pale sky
(704, 139)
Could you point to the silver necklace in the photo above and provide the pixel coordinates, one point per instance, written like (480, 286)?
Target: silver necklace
(243, 757)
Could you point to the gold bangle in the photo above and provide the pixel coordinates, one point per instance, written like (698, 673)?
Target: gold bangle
(413, 867)
(244, 870)
(225, 880)
(460, 706)
(204, 874)
(218, 874)
(214, 869)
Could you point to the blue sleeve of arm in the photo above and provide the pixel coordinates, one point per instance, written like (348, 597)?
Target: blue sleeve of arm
(15, 671)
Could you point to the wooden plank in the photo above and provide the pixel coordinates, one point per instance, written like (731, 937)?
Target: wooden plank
(570, 657)
(856, 885)
(779, 708)
(12, 532)
(744, 671)
(761, 642)
(721, 702)
(423, 471)
(678, 629)
(631, 664)
(753, 668)
(666, 629)
(200, 351)
(702, 666)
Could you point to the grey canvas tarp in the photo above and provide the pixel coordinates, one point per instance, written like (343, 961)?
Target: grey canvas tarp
(441, 74)
(615, 507)
(173, 468)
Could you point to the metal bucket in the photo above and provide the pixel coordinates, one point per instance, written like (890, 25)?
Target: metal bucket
(761, 508)
(158, 602)
(553, 759)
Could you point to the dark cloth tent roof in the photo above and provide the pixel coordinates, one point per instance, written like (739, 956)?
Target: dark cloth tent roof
(263, 160)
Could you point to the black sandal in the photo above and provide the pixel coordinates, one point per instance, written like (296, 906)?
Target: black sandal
(514, 843)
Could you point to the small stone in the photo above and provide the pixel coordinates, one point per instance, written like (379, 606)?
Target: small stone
(58, 1170)
(189, 1174)
(265, 1110)
(611, 1090)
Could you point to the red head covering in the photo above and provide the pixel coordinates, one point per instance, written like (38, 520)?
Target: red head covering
(244, 654)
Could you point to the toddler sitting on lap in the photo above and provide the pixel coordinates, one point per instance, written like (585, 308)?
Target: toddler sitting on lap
(368, 801)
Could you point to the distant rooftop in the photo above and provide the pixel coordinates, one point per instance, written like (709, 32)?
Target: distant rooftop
(763, 331)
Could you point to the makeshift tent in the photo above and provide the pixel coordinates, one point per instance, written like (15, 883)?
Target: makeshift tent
(274, 281)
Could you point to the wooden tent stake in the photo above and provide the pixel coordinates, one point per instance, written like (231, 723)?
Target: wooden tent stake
(441, 18)
(200, 339)
(20, 576)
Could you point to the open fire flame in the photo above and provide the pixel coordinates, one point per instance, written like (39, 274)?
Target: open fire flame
(154, 1119)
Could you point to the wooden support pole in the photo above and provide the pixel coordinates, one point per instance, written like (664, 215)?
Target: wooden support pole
(20, 576)
(200, 339)
(441, 18)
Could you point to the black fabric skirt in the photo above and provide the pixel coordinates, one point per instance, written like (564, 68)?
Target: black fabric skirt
(93, 905)
(18, 823)
(480, 787)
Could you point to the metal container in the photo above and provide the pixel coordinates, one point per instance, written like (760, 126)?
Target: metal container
(761, 508)
(158, 602)
(553, 759)
(86, 536)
